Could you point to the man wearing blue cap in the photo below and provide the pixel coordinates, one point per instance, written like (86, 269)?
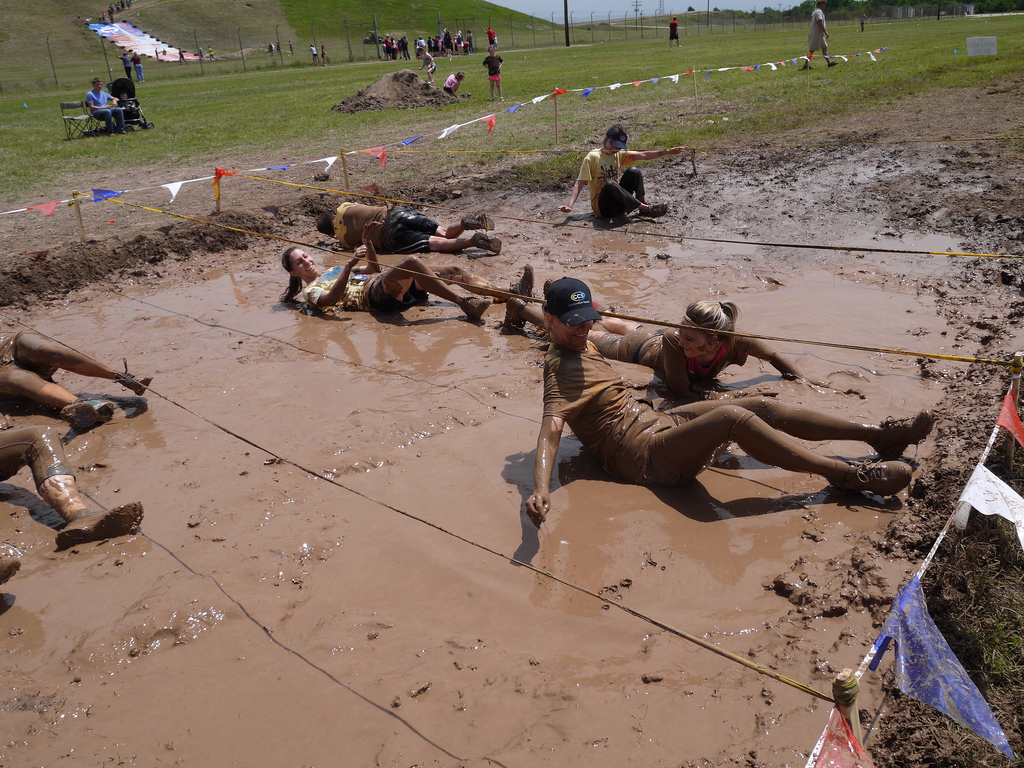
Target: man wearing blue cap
(638, 444)
(610, 195)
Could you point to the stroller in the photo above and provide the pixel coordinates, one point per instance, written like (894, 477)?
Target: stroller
(123, 90)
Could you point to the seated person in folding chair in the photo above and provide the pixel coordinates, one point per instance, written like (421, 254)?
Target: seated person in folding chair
(104, 107)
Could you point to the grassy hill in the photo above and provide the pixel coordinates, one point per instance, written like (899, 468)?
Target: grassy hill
(227, 25)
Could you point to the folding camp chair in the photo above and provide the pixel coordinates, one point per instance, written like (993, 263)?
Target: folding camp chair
(80, 122)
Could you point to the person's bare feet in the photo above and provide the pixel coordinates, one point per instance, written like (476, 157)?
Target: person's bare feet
(119, 521)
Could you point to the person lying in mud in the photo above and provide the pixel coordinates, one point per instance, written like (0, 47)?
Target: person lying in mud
(28, 361)
(688, 359)
(407, 231)
(40, 449)
(363, 287)
(640, 445)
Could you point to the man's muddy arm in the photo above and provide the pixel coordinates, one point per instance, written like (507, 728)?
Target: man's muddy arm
(550, 435)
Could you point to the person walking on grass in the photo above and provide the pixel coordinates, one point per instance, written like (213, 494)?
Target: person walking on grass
(493, 63)
(817, 35)
(673, 32)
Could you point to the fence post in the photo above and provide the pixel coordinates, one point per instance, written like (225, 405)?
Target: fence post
(200, 50)
(348, 40)
(511, 33)
(51, 61)
(240, 51)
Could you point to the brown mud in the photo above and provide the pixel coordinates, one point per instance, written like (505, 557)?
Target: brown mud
(284, 603)
(397, 90)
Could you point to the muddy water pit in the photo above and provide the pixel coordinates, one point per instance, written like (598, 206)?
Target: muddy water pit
(410, 646)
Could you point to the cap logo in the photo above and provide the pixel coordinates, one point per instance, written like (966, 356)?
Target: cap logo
(578, 296)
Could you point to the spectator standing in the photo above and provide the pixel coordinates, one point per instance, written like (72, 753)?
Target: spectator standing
(323, 55)
(493, 63)
(316, 56)
(673, 32)
(126, 60)
(492, 39)
(817, 35)
(137, 63)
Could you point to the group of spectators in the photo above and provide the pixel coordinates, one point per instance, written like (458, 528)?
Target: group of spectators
(395, 49)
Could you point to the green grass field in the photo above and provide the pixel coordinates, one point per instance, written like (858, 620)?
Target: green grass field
(226, 115)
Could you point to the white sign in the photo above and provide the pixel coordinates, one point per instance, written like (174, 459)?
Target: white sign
(981, 46)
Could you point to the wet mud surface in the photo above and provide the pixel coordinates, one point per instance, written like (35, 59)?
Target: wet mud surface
(333, 505)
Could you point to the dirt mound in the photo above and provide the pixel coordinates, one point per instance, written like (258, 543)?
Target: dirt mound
(397, 90)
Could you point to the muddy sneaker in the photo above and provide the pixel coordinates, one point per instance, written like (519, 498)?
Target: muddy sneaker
(524, 287)
(805, 66)
(138, 386)
(487, 242)
(474, 306)
(83, 414)
(119, 521)
(512, 317)
(883, 478)
(832, 63)
(898, 434)
(8, 567)
(477, 221)
(657, 210)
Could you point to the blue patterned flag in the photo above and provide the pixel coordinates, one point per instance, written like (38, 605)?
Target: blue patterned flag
(927, 669)
(104, 194)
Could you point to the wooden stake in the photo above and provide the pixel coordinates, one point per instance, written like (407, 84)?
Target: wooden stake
(844, 690)
(78, 211)
(694, 90)
(556, 119)
(344, 167)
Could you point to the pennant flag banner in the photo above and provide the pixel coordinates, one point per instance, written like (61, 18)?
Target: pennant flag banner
(587, 92)
(104, 194)
(378, 152)
(46, 209)
(558, 91)
(513, 109)
(490, 123)
(1009, 420)
(927, 669)
(707, 75)
(329, 160)
(449, 131)
(277, 168)
(173, 188)
(991, 496)
(613, 87)
(407, 142)
(841, 748)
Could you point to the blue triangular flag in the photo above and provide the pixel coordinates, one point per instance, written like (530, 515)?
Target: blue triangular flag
(707, 75)
(278, 167)
(655, 79)
(407, 142)
(513, 109)
(927, 669)
(587, 92)
(103, 194)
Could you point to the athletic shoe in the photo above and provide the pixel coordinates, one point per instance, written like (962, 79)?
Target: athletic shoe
(487, 242)
(898, 434)
(477, 221)
(512, 317)
(83, 414)
(805, 66)
(524, 287)
(657, 210)
(832, 63)
(138, 386)
(475, 306)
(119, 521)
(884, 478)
(8, 567)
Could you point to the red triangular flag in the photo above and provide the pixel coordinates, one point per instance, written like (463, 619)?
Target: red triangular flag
(217, 174)
(841, 748)
(379, 152)
(558, 91)
(637, 83)
(1009, 420)
(490, 123)
(747, 69)
(46, 208)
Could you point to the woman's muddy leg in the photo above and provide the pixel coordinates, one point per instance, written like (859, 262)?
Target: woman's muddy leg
(469, 281)
(61, 493)
(20, 383)
(38, 351)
